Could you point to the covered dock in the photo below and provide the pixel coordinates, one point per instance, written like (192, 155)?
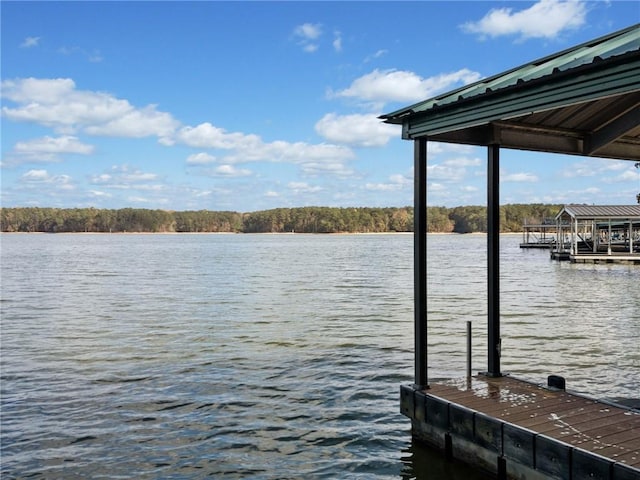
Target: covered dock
(598, 234)
(581, 101)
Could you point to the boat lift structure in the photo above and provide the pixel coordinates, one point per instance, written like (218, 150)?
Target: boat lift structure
(539, 235)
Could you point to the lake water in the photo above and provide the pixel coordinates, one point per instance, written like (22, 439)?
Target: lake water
(274, 356)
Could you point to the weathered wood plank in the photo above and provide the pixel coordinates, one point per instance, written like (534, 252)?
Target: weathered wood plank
(526, 421)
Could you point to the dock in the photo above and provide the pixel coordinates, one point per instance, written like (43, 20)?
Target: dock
(598, 234)
(512, 428)
(579, 101)
(620, 258)
(539, 234)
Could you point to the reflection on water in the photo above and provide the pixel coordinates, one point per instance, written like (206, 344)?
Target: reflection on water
(272, 356)
(426, 464)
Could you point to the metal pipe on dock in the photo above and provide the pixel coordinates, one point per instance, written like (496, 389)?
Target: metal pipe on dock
(468, 349)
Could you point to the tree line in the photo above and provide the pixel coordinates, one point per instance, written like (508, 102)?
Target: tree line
(465, 219)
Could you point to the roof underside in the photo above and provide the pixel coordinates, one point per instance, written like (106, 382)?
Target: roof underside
(582, 101)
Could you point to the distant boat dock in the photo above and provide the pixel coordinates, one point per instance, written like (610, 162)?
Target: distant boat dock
(588, 234)
(539, 235)
(598, 234)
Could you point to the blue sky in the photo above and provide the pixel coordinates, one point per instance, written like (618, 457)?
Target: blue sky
(247, 106)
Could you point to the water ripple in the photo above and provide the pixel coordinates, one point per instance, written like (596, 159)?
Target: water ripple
(270, 357)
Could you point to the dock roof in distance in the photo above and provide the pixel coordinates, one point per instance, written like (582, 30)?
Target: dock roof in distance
(613, 212)
(584, 101)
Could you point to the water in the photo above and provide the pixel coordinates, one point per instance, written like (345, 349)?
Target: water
(273, 356)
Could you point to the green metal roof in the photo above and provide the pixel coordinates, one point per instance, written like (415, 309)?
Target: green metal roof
(584, 100)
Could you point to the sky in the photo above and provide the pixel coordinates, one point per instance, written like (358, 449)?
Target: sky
(248, 106)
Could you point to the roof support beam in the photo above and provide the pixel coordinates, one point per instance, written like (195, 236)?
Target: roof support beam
(420, 261)
(612, 131)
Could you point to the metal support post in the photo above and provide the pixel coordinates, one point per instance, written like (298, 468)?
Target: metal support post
(420, 261)
(493, 259)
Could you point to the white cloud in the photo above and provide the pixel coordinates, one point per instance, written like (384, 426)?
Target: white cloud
(230, 171)
(99, 194)
(35, 176)
(38, 178)
(301, 152)
(381, 187)
(306, 35)
(206, 135)
(401, 179)
(30, 42)
(518, 177)
(358, 130)
(158, 187)
(627, 173)
(580, 169)
(147, 200)
(303, 187)
(137, 123)
(53, 145)
(310, 47)
(45, 150)
(628, 176)
(378, 54)
(381, 86)
(124, 177)
(313, 158)
(138, 176)
(544, 19)
(94, 56)
(396, 182)
(590, 167)
(56, 103)
(309, 31)
(461, 162)
(28, 90)
(101, 178)
(201, 158)
(446, 173)
(616, 165)
(337, 41)
(436, 187)
(333, 168)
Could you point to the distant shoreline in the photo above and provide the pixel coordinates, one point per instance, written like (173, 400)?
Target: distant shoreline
(324, 220)
(252, 233)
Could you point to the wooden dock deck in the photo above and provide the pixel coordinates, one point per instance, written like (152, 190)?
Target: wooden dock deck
(623, 258)
(516, 429)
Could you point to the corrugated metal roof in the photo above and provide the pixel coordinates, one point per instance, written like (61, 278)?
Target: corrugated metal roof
(609, 46)
(614, 212)
(581, 101)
